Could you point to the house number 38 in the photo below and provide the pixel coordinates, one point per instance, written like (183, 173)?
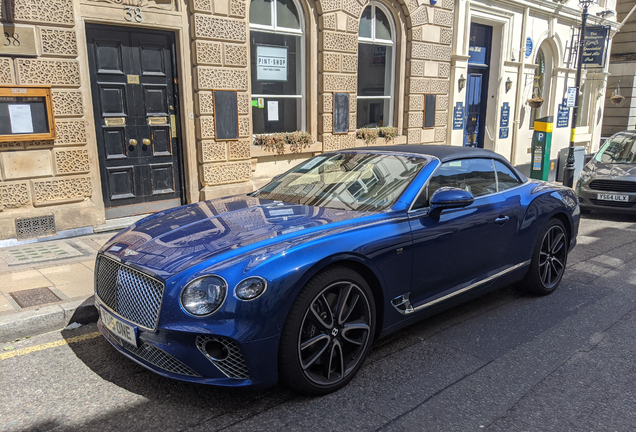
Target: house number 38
(132, 14)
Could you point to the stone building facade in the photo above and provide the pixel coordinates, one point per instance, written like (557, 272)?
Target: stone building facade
(622, 69)
(210, 46)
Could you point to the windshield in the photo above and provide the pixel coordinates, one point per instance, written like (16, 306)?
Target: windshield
(354, 181)
(621, 148)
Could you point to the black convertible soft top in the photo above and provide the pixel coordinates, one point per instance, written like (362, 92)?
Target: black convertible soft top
(444, 153)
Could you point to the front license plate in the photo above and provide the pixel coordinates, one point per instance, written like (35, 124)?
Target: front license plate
(613, 197)
(118, 328)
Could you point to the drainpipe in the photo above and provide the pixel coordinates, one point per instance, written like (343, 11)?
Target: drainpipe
(520, 83)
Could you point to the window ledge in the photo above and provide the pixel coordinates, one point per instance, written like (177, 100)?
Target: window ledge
(400, 139)
(259, 151)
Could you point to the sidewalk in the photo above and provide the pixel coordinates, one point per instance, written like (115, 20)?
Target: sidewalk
(45, 286)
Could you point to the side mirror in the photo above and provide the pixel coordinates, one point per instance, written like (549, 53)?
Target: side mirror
(450, 198)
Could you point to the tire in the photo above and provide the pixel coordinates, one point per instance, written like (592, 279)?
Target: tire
(548, 259)
(328, 332)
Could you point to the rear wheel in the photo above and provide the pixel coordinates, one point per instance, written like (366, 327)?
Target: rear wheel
(328, 332)
(549, 259)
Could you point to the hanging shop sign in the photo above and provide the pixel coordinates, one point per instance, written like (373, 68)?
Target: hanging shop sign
(563, 116)
(271, 63)
(594, 45)
(18, 40)
(505, 115)
(458, 116)
(26, 113)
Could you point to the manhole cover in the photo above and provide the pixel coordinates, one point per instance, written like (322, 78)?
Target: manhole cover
(38, 252)
(34, 297)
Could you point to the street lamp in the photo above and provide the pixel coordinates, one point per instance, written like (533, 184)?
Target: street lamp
(568, 174)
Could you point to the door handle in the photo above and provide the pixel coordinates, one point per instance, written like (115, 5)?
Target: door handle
(132, 142)
(501, 220)
(145, 141)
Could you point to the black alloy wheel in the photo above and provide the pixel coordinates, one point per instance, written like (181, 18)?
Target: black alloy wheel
(328, 332)
(549, 259)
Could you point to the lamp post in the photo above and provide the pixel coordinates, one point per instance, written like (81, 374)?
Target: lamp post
(568, 174)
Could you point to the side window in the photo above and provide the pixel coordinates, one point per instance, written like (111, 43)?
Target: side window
(505, 177)
(476, 176)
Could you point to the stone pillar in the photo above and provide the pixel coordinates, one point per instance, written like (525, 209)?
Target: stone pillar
(220, 46)
(338, 66)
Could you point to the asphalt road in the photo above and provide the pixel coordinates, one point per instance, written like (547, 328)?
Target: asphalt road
(504, 362)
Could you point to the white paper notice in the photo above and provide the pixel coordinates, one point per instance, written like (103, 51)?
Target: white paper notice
(272, 110)
(21, 121)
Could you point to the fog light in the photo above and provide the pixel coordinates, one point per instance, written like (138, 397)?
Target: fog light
(250, 288)
(216, 350)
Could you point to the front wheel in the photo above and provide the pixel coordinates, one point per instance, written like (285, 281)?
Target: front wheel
(328, 332)
(549, 259)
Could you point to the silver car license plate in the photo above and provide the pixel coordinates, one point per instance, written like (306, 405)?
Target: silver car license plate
(613, 197)
(118, 328)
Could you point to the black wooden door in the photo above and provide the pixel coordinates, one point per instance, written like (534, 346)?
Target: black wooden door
(134, 100)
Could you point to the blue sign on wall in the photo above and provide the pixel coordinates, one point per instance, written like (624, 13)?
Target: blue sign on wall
(458, 116)
(528, 47)
(563, 117)
(503, 132)
(505, 115)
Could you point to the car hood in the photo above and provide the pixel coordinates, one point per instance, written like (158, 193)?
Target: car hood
(612, 171)
(171, 241)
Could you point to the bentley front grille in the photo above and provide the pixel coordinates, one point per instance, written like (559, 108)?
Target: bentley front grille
(230, 362)
(130, 293)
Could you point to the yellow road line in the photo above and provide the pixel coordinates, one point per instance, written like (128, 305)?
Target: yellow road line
(68, 341)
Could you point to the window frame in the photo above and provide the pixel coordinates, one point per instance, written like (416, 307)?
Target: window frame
(424, 187)
(385, 42)
(301, 31)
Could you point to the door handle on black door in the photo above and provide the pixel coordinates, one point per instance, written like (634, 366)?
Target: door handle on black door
(501, 220)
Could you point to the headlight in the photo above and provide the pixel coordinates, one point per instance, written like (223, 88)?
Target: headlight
(250, 288)
(204, 295)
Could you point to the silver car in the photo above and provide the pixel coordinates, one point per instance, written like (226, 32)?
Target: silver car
(608, 181)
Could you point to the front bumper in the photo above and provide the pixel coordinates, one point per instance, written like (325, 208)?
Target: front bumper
(588, 200)
(176, 355)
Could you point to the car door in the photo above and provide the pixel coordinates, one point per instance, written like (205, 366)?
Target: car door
(458, 247)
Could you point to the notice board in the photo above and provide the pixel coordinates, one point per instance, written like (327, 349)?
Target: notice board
(225, 115)
(26, 113)
(340, 113)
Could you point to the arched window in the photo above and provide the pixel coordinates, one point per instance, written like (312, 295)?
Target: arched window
(278, 67)
(376, 63)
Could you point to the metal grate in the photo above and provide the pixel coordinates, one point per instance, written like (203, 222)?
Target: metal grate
(159, 358)
(129, 292)
(38, 226)
(613, 185)
(621, 204)
(234, 365)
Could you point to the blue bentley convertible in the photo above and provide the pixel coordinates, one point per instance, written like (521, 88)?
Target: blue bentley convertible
(298, 279)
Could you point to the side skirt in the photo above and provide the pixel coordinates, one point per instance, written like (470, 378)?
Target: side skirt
(403, 305)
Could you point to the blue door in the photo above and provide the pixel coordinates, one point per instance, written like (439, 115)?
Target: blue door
(477, 84)
(473, 131)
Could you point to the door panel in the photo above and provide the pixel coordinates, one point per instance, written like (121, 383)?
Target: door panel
(132, 79)
(115, 146)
